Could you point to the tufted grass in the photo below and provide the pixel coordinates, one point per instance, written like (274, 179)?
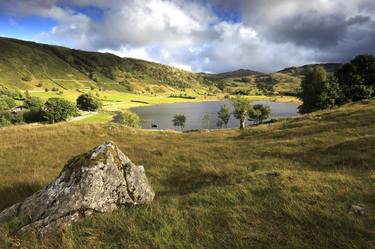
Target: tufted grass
(286, 185)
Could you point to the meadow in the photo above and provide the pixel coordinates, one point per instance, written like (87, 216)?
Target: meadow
(290, 184)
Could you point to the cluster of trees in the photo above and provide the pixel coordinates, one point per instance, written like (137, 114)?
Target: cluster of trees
(352, 82)
(52, 111)
(243, 110)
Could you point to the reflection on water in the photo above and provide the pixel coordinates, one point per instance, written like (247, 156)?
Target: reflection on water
(162, 115)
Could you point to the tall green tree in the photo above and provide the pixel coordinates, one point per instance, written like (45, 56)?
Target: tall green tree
(357, 78)
(179, 120)
(241, 110)
(223, 116)
(318, 91)
(259, 113)
(58, 109)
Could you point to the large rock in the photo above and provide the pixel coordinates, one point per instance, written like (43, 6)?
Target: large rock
(101, 180)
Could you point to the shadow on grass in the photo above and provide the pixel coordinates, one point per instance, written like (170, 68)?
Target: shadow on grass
(185, 182)
(10, 195)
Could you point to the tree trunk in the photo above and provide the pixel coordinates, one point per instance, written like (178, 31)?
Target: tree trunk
(242, 124)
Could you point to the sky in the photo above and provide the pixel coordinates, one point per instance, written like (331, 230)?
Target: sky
(201, 35)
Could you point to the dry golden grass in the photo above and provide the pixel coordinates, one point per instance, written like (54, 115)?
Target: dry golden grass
(214, 189)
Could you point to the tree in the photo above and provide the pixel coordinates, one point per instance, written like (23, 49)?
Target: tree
(128, 119)
(207, 119)
(259, 112)
(318, 91)
(179, 120)
(224, 116)
(88, 102)
(6, 103)
(58, 109)
(33, 102)
(35, 113)
(357, 78)
(241, 109)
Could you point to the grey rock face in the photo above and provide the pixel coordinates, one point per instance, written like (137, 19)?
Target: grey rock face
(101, 180)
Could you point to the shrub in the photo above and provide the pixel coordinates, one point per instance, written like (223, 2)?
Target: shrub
(224, 116)
(12, 93)
(6, 103)
(88, 102)
(58, 109)
(54, 89)
(4, 122)
(33, 102)
(259, 112)
(27, 77)
(179, 120)
(8, 118)
(128, 119)
(34, 115)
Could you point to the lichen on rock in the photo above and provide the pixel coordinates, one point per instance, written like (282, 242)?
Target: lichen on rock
(99, 181)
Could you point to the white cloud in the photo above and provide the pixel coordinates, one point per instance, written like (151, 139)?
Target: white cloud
(139, 53)
(271, 35)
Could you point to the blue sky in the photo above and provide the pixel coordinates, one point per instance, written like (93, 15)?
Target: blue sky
(201, 35)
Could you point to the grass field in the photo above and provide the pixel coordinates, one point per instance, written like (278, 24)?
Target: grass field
(286, 185)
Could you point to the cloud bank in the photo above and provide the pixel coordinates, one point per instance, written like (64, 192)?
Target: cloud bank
(210, 36)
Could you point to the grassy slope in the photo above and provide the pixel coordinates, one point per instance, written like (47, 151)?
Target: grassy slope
(212, 189)
(55, 66)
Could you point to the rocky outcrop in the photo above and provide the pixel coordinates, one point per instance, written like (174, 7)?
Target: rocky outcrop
(101, 180)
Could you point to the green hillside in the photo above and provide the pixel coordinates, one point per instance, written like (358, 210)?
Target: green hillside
(290, 184)
(29, 65)
(284, 82)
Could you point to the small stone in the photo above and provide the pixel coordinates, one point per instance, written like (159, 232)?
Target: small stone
(99, 181)
(357, 209)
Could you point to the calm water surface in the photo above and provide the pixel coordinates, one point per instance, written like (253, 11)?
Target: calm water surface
(162, 115)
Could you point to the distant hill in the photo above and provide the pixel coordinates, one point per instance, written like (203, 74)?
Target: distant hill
(329, 67)
(30, 65)
(286, 81)
(237, 73)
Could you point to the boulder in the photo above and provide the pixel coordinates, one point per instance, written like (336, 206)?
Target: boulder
(99, 181)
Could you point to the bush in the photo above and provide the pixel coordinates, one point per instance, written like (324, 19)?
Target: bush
(128, 119)
(8, 118)
(12, 93)
(259, 112)
(58, 109)
(35, 102)
(6, 103)
(54, 89)
(179, 120)
(4, 122)
(34, 115)
(88, 102)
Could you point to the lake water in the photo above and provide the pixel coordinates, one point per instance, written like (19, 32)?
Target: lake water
(162, 115)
